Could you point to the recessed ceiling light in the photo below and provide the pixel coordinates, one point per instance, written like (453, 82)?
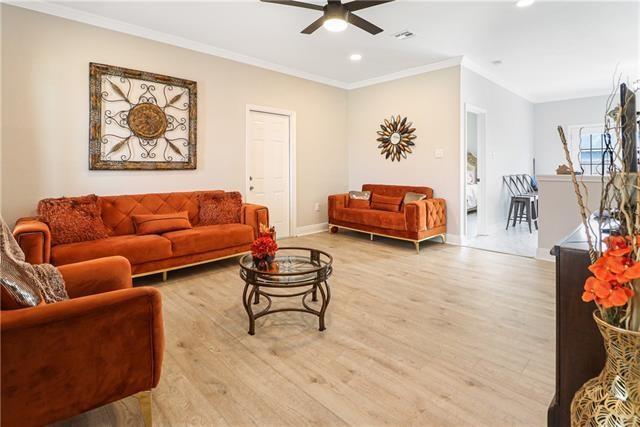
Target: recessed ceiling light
(497, 62)
(355, 57)
(335, 25)
(524, 3)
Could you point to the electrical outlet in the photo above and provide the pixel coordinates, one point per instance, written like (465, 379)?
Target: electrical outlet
(316, 207)
(439, 153)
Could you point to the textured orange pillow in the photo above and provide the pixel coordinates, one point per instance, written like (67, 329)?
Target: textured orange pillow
(220, 208)
(359, 204)
(73, 219)
(386, 203)
(161, 223)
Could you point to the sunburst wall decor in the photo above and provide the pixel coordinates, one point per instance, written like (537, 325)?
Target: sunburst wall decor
(396, 138)
(141, 120)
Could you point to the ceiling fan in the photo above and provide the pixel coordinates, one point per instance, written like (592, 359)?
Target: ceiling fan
(336, 16)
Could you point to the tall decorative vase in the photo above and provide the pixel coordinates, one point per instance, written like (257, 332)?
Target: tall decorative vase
(613, 397)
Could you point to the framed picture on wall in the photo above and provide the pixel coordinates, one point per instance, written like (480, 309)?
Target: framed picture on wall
(140, 120)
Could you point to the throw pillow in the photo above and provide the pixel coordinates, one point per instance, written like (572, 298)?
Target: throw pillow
(161, 223)
(17, 294)
(220, 208)
(359, 199)
(73, 219)
(386, 203)
(413, 197)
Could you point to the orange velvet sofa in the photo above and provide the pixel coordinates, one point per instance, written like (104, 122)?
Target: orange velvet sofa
(148, 254)
(103, 344)
(415, 222)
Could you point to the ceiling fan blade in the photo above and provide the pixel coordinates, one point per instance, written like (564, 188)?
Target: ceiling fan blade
(363, 24)
(294, 3)
(314, 26)
(363, 4)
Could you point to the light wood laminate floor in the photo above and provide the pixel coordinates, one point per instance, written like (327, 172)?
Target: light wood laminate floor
(453, 336)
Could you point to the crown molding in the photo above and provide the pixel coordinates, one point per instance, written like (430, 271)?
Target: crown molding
(72, 14)
(92, 19)
(146, 33)
(447, 63)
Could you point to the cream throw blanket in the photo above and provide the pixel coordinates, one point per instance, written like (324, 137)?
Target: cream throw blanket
(44, 278)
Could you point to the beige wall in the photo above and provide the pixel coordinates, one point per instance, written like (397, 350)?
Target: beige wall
(432, 102)
(45, 101)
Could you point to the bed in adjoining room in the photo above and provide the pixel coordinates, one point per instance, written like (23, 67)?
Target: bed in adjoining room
(472, 183)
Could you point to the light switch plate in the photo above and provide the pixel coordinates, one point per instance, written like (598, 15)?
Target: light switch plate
(439, 153)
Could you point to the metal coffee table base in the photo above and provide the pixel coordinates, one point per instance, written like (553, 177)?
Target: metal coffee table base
(252, 293)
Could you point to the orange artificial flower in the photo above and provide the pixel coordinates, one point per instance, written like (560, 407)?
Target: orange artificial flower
(632, 272)
(595, 289)
(606, 294)
(620, 296)
(601, 270)
(617, 246)
(611, 272)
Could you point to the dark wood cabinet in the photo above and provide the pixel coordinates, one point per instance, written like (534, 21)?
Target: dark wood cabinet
(580, 353)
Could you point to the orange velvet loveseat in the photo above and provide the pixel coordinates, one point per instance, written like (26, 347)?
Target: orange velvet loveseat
(151, 253)
(416, 221)
(103, 344)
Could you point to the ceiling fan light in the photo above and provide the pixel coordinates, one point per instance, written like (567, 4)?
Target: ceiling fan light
(335, 25)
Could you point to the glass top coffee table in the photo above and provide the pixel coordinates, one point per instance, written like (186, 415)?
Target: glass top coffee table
(295, 272)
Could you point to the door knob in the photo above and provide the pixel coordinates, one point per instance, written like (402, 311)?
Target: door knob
(251, 188)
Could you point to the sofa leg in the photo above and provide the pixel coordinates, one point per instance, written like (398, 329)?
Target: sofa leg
(333, 230)
(417, 245)
(371, 237)
(144, 399)
(444, 238)
(164, 276)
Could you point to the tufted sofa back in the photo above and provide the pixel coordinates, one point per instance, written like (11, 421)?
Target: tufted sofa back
(117, 210)
(396, 190)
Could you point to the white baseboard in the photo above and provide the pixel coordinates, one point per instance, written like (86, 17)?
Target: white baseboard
(454, 239)
(543, 255)
(312, 229)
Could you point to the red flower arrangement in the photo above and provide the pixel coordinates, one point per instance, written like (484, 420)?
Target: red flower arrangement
(612, 273)
(263, 247)
(263, 250)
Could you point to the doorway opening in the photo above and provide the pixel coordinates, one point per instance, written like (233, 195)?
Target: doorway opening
(484, 195)
(474, 168)
(270, 165)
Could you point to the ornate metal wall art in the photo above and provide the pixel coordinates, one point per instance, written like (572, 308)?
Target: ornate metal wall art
(141, 120)
(396, 138)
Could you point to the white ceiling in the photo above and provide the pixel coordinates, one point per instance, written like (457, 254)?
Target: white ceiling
(551, 50)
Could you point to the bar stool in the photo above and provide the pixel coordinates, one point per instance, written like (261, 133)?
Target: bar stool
(524, 200)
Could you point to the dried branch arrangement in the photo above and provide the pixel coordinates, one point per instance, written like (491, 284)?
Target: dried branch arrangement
(613, 233)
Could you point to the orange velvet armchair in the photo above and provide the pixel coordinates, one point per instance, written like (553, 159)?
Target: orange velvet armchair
(103, 344)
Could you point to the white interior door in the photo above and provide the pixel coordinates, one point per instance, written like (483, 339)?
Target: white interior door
(268, 141)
